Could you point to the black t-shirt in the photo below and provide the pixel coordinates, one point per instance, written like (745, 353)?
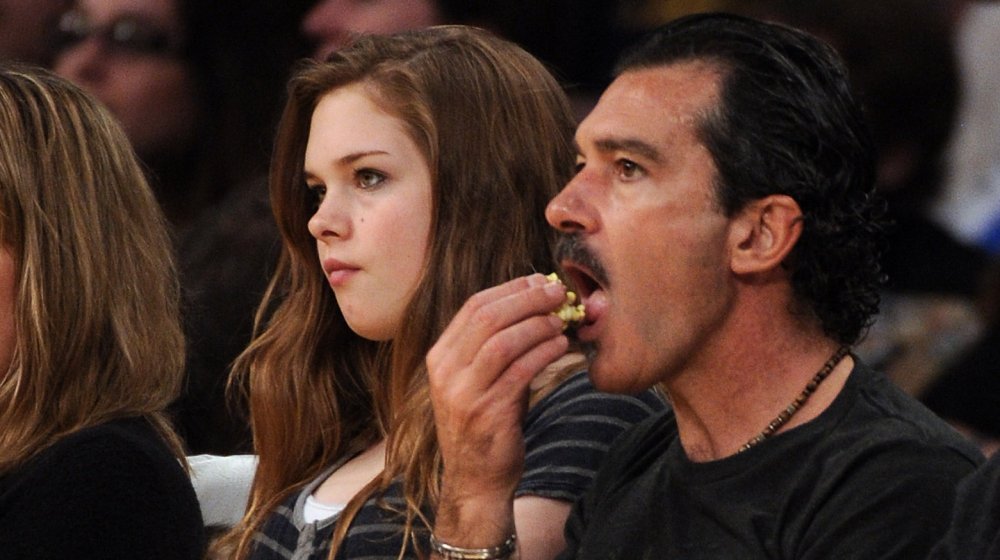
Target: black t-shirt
(975, 528)
(872, 477)
(110, 491)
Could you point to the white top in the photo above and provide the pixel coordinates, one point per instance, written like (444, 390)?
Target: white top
(315, 510)
(222, 484)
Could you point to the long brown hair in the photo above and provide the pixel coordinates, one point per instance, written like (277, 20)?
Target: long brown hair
(496, 131)
(98, 333)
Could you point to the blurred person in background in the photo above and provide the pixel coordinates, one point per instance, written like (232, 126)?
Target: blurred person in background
(969, 204)
(577, 39)
(198, 87)
(27, 30)
(131, 54)
(333, 24)
(967, 392)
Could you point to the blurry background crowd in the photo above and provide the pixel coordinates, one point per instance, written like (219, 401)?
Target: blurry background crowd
(198, 86)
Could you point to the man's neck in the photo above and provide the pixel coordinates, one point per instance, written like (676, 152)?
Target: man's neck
(723, 402)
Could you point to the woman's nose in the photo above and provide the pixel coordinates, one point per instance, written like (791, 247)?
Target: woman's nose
(331, 220)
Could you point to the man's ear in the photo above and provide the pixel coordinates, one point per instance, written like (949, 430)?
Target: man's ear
(763, 233)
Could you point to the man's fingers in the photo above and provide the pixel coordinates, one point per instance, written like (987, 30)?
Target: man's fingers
(476, 371)
(514, 344)
(491, 311)
(518, 375)
(501, 306)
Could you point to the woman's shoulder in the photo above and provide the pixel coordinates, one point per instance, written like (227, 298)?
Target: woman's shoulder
(119, 460)
(130, 443)
(114, 487)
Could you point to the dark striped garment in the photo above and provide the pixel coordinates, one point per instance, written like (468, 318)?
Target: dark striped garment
(566, 435)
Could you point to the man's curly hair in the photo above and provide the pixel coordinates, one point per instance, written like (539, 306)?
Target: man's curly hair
(787, 123)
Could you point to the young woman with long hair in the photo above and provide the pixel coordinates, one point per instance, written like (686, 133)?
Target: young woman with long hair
(410, 172)
(91, 347)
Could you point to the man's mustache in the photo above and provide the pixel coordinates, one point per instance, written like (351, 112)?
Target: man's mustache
(570, 247)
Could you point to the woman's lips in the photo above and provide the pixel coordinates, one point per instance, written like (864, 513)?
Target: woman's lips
(338, 272)
(339, 277)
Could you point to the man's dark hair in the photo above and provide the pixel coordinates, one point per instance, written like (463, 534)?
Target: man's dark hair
(787, 123)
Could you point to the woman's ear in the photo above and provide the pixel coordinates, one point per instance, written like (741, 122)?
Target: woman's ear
(763, 233)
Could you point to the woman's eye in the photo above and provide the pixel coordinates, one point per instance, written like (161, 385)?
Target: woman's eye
(369, 178)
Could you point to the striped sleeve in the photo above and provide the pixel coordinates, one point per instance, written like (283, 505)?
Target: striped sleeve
(568, 433)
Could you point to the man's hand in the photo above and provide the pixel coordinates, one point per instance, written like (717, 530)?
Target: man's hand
(480, 371)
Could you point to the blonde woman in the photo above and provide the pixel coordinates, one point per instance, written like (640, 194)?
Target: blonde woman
(410, 172)
(91, 350)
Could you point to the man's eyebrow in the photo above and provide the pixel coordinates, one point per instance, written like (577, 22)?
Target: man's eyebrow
(633, 145)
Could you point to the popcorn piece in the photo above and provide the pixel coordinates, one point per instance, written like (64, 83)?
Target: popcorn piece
(568, 312)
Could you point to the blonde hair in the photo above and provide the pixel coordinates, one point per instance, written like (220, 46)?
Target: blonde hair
(496, 130)
(97, 326)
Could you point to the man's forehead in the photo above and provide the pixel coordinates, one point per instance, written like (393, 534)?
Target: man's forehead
(682, 89)
(648, 103)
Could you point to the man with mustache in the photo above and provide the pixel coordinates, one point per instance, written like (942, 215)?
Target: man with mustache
(722, 233)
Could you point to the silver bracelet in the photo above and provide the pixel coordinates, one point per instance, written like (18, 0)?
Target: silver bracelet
(449, 552)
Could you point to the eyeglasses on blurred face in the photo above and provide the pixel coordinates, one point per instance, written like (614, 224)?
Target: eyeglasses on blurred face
(127, 34)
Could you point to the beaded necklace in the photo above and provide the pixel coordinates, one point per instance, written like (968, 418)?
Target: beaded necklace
(800, 400)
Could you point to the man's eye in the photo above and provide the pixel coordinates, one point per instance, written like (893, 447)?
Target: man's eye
(369, 178)
(628, 169)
